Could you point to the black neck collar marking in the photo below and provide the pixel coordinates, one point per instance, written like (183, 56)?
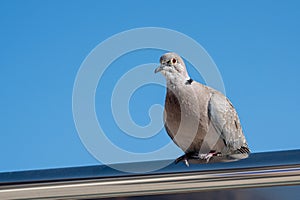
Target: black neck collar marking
(189, 81)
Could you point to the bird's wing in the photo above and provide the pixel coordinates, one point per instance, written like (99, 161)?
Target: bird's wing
(224, 119)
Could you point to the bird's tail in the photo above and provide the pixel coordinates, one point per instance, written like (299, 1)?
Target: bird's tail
(240, 153)
(244, 149)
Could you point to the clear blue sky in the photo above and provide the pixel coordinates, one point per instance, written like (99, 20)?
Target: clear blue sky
(255, 45)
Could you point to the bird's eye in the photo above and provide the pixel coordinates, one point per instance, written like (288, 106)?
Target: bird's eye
(174, 60)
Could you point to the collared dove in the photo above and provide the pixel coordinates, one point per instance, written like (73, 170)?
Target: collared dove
(199, 119)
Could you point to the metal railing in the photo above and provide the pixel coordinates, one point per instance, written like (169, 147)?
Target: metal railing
(259, 170)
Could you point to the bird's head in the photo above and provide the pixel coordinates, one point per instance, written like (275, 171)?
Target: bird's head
(172, 67)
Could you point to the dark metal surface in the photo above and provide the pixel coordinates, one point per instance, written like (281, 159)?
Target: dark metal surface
(259, 170)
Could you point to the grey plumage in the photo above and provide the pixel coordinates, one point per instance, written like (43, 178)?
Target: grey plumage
(199, 119)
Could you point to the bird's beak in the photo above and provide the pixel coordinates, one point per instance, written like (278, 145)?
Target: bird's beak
(159, 68)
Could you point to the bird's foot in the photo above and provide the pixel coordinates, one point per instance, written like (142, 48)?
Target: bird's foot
(209, 155)
(185, 158)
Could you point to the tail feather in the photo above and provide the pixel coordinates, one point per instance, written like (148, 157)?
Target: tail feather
(244, 149)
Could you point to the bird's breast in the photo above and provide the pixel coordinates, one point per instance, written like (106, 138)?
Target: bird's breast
(183, 119)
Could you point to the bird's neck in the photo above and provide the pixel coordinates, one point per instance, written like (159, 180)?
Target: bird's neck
(178, 81)
(179, 84)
